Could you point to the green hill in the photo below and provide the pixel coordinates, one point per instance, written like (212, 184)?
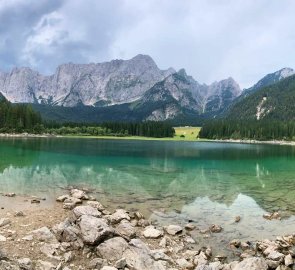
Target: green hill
(273, 102)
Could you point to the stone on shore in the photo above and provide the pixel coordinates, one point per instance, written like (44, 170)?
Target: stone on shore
(173, 229)
(109, 268)
(4, 222)
(288, 260)
(119, 215)
(42, 265)
(112, 249)
(152, 232)
(126, 229)
(44, 234)
(96, 204)
(253, 263)
(79, 194)
(94, 230)
(25, 264)
(86, 210)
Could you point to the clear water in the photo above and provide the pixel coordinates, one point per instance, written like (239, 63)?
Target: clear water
(170, 182)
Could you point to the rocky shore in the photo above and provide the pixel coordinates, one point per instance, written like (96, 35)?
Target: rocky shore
(80, 233)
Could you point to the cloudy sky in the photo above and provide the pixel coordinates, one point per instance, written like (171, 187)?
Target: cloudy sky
(211, 39)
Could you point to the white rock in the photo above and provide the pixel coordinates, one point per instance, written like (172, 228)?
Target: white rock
(42, 265)
(25, 264)
(152, 232)
(94, 230)
(289, 260)
(44, 234)
(4, 222)
(96, 205)
(173, 229)
(109, 268)
(112, 249)
(126, 229)
(2, 238)
(184, 264)
(252, 263)
(119, 215)
(86, 210)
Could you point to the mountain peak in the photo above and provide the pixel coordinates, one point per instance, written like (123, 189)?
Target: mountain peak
(143, 58)
(285, 72)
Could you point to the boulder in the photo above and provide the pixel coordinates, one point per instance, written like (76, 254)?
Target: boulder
(109, 268)
(119, 215)
(189, 226)
(138, 257)
(173, 229)
(86, 210)
(97, 263)
(252, 263)
(94, 230)
(96, 204)
(184, 264)
(25, 264)
(2, 238)
(42, 265)
(112, 249)
(51, 250)
(289, 260)
(62, 198)
(66, 231)
(79, 194)
(152, 232)
(215, 228)
(200, 259)
(44, 234)
(126, 229)
(4, 222)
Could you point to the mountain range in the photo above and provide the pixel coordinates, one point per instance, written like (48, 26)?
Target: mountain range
(126, 90)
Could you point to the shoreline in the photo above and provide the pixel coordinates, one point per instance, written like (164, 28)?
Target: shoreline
(139, 138)
(80, 233)
(272, 142)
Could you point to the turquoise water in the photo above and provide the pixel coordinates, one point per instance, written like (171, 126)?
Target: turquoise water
(168, 181)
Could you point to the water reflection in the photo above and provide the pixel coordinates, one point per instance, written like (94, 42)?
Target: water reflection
(129, 170)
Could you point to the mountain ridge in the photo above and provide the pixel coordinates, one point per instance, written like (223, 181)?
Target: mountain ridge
(118, 82)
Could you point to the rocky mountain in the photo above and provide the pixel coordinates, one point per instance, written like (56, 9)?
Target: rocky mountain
(269, 79)
(272, 102)
(137, 84)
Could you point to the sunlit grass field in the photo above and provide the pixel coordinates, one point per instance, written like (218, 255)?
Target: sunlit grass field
(181, 134)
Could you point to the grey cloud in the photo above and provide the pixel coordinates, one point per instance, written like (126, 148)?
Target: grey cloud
(212, 39)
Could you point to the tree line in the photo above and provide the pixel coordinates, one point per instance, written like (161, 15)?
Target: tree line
(19, 118)
(251, 129)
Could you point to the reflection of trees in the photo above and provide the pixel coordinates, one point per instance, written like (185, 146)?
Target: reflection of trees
(18, 152)
(133, 170)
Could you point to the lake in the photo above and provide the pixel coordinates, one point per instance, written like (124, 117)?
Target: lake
(170, 182)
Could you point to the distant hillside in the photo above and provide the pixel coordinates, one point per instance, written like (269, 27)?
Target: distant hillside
(273, 102)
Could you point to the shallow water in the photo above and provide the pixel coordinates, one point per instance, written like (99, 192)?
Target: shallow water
(168, 181)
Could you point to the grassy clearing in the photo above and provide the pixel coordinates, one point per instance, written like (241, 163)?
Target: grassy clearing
(186, 133)
(189, 133)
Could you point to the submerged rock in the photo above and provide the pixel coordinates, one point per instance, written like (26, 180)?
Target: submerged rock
(215, 228)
